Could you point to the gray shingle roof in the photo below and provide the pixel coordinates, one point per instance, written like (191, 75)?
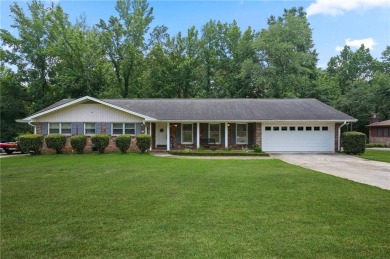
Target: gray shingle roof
(227, 109)
(380, 124)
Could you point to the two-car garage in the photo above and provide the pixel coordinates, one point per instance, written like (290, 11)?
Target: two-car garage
(290, 137)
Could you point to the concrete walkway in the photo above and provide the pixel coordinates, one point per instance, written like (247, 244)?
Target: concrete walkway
(346, 166)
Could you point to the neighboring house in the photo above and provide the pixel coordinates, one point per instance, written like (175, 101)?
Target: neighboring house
(304, 125)
(379, 132)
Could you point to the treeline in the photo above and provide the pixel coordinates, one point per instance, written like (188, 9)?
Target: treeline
(52, 58)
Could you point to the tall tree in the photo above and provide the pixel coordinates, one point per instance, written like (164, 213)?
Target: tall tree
(288, 53)
(123, 38)
(35, 66)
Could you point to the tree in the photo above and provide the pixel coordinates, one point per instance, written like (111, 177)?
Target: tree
(123, 38)
(29, 51)
(288, 55)
(12, 105)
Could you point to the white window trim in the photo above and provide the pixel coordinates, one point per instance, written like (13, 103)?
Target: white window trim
(217, 141)
(246, 142)
(123, 128)
(60, 128)
(192, 133)
(85, 128)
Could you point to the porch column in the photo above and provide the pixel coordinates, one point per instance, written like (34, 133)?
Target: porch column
(226, 135)
(151, 136)
(197, 135)
(168, 137)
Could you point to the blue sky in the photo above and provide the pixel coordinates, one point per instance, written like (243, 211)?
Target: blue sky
(334, 22)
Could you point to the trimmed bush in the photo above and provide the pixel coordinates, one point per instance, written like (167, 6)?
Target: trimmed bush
(56, 141)
(78, 143)
(353, 142)
(100, 142)
(375, 145)
(122, 142)
(31, 142)
(143, 142)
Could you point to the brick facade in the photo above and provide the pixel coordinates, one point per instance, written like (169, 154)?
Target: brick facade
(336, 137)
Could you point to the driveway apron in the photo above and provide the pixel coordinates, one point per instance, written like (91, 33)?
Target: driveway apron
(346, 166)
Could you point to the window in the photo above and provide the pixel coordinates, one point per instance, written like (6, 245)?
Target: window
(308, 128)
(186, 134)
(292, 128)
(267, 128)
(54, 128)
(60, 128)
(379, 132)
(214, 130)
(316, 128)
(242, 134)
(90, 128)
(276, 128)
(300, 128)
(386, 132)
(284, 128)
(123, 128)
(325, 128)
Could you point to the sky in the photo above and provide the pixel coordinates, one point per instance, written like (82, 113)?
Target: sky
(335, 23)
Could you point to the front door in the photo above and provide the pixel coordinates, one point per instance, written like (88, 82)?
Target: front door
(161, 134)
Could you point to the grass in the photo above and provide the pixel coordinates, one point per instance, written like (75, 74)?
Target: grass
(120, 206)
(377, 155)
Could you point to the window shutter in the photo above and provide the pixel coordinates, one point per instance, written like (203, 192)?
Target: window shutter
(204, 127)
(233, 133)
(108, 128)
(80, 128)
(222, 133)
(74, 128)
(178, 134)
(98, 127)
(44, 128)
(194, 133)
(250, 133)
(138, 128)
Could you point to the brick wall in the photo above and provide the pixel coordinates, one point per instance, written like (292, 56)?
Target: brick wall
(257, 134)
(336, 136)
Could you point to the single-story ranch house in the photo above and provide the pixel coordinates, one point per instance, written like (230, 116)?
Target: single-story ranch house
(276, 125)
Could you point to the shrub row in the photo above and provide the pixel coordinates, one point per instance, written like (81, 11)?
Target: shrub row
(34, 142)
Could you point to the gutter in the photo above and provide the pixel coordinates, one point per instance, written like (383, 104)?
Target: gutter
(339, 135)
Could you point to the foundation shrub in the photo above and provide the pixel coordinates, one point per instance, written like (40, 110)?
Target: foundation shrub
(100, 142)
(78, 143)
(56, 142)
(122, 142)
(143, 142)
(31, 142)
(353, 142)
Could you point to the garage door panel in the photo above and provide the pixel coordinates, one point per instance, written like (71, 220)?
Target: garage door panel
(303, 141)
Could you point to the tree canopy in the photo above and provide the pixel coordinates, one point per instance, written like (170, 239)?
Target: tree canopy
(51, 58)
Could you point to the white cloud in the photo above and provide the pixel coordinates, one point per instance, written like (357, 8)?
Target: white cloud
(339, 7)
(367, 42)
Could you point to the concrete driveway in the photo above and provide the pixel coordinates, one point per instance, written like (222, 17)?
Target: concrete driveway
(341, 165)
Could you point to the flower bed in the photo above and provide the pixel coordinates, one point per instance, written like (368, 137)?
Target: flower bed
(215, 153)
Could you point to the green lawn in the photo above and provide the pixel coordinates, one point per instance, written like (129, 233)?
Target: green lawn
(377, 155)
(121, 206)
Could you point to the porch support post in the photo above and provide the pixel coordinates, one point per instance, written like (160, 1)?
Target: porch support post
(226, 135)
(151, 137)
(197, 135)
(168, 137)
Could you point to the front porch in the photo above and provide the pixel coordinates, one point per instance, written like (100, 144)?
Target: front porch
(194, 135)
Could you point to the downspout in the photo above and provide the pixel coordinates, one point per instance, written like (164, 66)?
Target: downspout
(339, 136)
(35, 129)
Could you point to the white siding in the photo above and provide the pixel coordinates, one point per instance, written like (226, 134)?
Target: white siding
(88, 113)
(298, 141)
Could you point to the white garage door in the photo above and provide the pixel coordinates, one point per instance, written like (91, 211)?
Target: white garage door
(301, 138)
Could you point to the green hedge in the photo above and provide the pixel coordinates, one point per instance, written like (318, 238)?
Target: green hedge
(353, 142)
(100, 142)
(122, 142)
(31, 142)
(215, 153)
(143, 142)
(56, 142)
(78, 143)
